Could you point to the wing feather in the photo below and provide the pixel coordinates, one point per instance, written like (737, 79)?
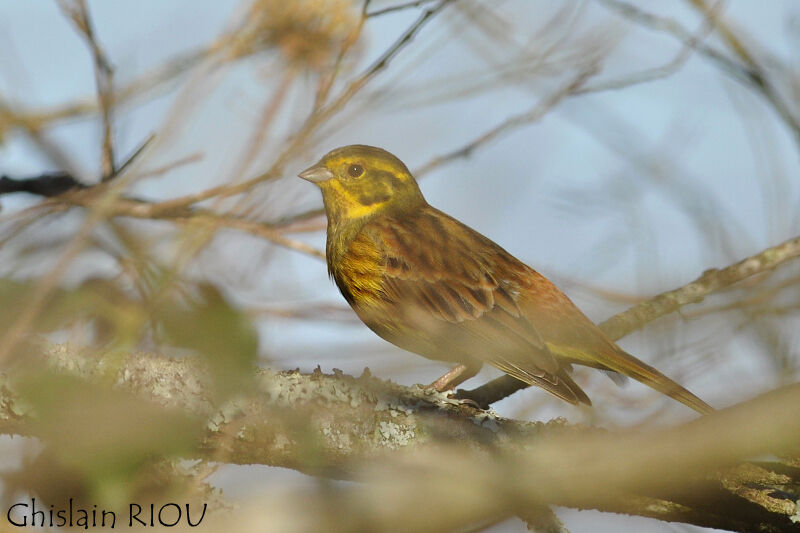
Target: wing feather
(450, 303)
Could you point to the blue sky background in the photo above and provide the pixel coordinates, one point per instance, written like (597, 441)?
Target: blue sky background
(632, 191)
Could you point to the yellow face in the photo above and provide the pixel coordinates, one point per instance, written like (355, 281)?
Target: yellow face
(358, 181)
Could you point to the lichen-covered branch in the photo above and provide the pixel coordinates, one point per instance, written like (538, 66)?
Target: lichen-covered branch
(460, 465)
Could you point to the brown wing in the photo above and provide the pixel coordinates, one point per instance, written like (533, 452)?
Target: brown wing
(571, 336)
(448, 293)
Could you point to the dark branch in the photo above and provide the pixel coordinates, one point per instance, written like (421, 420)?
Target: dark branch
(46, 185)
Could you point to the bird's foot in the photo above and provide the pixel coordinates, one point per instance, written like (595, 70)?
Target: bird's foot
(454, 377)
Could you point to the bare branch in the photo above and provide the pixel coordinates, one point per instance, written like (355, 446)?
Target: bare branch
(127, 207)
(398, 7)
(675, 64)
(46, 185)
(319, 116)
(78, 13)
(751, 74)
(516, 121)
(711, 281)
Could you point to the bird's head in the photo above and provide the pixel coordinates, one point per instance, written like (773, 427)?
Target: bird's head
(359, 181)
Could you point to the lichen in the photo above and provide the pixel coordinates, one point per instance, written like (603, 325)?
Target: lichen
(395, 435)
(336, 438)
(795, 518)
(292, 388)
(486, 420)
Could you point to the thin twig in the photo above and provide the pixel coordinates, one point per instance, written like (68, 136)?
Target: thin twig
(267, 115)
(127, 207)
(163, 169)
(78, 13)
(261, 230)
(711, 281)
(516, 121)
(136, 153)
(162, 74)
(314, 120)
(756, 301)
(398, 7)
(319, 116)
(37, 300)
(750, 74)
(326, 83)
(688, 47)
(34, 129)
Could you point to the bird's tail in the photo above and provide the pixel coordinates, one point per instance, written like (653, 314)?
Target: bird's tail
(625, 363)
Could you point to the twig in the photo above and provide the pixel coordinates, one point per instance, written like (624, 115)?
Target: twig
(261, 230)
(326, 83)
(136, 153)
(711, 281)
(56, 183)
(22, 322)
(53, 185)
(672, 27)
(134, 208)
(382, 62)
(749, 74)
(78, 13)
(526, 117)
(758, 75)
(398, 7)
(34, 129)
(256, 142)
(758, 301)
(516, 121)
(688, 46)
(169, 70)
(163, 169)
(46, 185)
(314, 120)
(319, 116)
(22, 220)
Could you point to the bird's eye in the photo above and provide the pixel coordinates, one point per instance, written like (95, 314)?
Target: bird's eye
(355, 170)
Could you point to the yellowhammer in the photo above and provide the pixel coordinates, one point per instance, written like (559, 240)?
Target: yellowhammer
(427, 283)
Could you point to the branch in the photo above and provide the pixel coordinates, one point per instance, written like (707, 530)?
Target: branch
(78, 13)
(45, 185)
(397, 7)
(456, 465)
(749, 72)
(56, 184)
(689, 45)
(515, 121)
(711, 281)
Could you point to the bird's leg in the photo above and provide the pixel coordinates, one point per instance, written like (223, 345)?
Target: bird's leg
(455, 377)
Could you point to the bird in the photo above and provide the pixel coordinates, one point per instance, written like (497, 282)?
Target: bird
(431, 285)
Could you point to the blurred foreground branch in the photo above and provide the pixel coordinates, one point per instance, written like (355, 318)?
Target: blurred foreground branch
(455, 465)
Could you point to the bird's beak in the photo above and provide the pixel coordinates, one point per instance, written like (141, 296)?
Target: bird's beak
(316, 174)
